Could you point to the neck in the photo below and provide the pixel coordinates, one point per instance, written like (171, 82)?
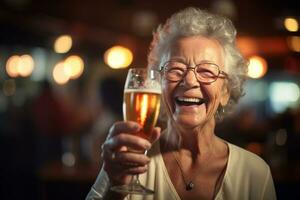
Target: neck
(194, 142)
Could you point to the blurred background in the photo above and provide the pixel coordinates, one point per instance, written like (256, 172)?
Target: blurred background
(62, 70)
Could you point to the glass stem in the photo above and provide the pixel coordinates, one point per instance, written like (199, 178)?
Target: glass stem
(135, 178)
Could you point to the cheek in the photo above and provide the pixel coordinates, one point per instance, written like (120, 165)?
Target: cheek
(214, 95)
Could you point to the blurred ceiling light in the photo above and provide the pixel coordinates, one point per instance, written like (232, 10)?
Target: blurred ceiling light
(26, 65)
(118, 57)
(12, 66)
(19, 66)
(63, 44)
(294, 43)
(74, 66)
(9, 87)
(59, 74)
(257, 67)
(291, 24)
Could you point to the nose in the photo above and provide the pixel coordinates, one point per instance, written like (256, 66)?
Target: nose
(190, 78)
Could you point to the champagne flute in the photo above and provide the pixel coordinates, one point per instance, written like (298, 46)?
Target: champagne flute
(141, 104)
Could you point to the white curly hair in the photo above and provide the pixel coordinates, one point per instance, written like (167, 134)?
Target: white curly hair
(192, 22)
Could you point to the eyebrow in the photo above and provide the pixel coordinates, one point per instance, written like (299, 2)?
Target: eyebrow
(182, 60)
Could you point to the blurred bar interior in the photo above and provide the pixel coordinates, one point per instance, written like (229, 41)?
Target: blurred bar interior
(62, 70)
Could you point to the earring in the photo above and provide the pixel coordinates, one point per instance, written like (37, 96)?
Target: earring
(220, 113)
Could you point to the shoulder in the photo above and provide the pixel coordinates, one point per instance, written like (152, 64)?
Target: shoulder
(247, 176)
(247, 162)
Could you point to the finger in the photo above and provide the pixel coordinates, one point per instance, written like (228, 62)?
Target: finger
(132, 159)
(124, 170)
(155, 134)
(130, 141)
(136, 170)
(126, 158)
(124, 127)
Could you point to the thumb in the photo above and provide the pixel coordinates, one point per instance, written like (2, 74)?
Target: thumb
(155, 134)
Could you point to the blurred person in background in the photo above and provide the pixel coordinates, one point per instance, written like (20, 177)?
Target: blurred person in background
(50, 119)
(202, 79)
(110, 94)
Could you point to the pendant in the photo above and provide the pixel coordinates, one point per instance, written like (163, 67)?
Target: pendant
(189, 186)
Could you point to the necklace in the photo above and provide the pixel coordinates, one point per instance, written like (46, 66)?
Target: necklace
(189, 185)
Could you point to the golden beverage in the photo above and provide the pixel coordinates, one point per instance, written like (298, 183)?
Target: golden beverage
(142, 106)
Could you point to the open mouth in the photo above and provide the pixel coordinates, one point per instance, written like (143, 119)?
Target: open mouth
(188, 101)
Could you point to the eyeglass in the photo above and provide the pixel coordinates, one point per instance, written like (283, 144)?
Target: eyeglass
(204, 72)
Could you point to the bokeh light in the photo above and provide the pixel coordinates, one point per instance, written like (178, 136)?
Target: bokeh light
(63, 44)
(118, 57)
(291, 24)
(74, 66)
(19, 65)
(284, 95)
(285, 91)
(257, 67)
(294, 43)
(68, 159)
(26, 65)
(59, 74)
(12, 66)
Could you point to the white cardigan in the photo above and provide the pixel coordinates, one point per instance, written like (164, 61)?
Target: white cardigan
(247, 177)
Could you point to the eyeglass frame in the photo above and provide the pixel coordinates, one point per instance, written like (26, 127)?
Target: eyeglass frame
(188, 67)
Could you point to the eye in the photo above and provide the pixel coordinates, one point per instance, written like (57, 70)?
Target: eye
(207, 70)
(175, 70)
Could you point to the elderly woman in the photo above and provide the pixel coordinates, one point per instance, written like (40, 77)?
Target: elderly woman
(202, 76)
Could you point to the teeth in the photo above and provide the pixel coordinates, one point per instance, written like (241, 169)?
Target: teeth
(192, 100)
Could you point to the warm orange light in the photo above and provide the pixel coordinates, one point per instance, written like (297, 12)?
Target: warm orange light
(118, 57)
(19, 65)
(26, 65)
(63, 44)
(294, 43)
(12, 66)
(74, 66)
(257, 67)
(291, 24)
(59, 74)
(247, 45)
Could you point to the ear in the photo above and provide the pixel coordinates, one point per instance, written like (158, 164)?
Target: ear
(225, 95)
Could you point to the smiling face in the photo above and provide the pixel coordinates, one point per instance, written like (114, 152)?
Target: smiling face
(191, 103)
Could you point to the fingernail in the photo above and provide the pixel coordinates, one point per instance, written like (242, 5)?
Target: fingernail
(148, 146)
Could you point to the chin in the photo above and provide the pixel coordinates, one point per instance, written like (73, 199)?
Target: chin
(188, 122)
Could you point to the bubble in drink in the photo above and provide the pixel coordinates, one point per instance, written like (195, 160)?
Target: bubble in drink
(142, 106)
